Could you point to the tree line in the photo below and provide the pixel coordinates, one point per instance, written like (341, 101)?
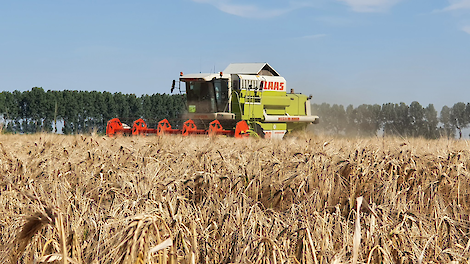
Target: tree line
(401, 119)
(73, 112)
(81, 111)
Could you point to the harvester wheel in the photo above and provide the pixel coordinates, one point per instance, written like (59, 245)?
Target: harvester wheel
(259, 130)
(242, 130)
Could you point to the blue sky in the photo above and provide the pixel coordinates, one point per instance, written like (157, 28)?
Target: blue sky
(341, 51)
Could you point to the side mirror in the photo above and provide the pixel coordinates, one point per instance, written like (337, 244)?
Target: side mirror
(173, 86)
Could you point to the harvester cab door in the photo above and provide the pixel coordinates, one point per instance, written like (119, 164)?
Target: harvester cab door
(221, 92)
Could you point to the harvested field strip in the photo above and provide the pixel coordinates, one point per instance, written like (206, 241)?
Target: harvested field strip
(91, 199)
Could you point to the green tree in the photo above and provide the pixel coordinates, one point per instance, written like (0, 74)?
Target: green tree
(431, 121)
(95, 117)
(403, 123)
(55, 108)
(338, 119)
(146, 106)
(446, 129)
(15, 110)
(389, 118)
(417, 120)
(323, 111)
(135, 105)
(458, 118)
(70, 115)
(109, 108)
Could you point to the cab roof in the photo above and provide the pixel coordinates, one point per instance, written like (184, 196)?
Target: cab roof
(257, 68)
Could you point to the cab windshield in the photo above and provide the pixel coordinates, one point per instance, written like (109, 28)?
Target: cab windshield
(207, 97)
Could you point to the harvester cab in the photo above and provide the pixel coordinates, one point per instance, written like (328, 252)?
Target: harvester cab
(245, 99)
(208, 97)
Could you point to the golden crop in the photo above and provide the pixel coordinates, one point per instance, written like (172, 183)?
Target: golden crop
(171, 199)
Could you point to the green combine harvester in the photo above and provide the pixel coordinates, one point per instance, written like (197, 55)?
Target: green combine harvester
(245, 99)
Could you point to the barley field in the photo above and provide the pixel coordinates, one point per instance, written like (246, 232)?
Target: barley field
(171, 199)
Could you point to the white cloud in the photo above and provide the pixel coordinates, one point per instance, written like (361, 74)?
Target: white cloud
(335, 21)
(466, 29)
(460, 9)
(249, 10)
(316, 36)
(370, 5)
(457, 5)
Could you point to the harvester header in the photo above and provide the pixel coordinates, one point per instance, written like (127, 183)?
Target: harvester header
(244, 99)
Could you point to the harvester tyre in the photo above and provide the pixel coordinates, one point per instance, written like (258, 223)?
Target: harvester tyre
(259, 130)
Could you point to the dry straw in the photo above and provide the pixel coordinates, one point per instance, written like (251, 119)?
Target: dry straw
(306, 199)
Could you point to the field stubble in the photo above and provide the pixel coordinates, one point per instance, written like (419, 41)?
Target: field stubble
(92, 199)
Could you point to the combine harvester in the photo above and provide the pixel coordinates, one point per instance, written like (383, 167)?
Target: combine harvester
(245, 99)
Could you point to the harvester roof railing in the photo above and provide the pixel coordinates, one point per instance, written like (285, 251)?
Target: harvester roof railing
(203, 76)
